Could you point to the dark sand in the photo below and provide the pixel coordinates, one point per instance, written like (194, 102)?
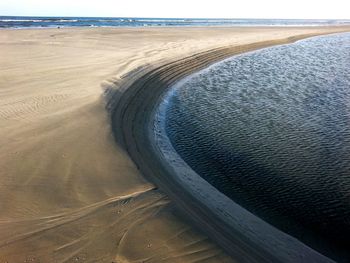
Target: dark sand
(132, 116)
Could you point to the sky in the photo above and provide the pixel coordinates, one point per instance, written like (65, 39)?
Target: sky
(304, 9)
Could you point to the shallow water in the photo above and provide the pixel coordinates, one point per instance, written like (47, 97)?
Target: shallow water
(271, 130)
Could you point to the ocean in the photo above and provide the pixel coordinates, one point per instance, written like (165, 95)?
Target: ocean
(54, 22)
(271, 130)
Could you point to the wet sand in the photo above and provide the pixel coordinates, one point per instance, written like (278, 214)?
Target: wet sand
(69, 192)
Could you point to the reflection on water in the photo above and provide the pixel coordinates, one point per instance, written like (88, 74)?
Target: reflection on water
(271, 130)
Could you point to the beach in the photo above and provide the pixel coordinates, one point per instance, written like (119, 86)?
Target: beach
(69, 190)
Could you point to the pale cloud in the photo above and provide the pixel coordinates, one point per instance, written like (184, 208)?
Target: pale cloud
(336, 9)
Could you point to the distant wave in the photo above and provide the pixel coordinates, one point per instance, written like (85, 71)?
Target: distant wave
(24, 22)
(39, 20)
(19, 20)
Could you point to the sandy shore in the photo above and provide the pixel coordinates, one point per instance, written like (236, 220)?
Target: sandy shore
(68, 191)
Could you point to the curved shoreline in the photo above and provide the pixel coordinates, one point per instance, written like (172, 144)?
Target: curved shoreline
(133, 109)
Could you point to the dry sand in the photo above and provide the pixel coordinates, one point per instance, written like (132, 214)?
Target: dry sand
(68, 192)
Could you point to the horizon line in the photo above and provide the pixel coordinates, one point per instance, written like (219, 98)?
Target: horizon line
(149, 17)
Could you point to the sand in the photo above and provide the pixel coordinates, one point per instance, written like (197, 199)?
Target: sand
(68, 191)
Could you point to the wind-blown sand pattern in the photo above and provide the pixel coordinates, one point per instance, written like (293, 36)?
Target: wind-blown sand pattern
(68, 192)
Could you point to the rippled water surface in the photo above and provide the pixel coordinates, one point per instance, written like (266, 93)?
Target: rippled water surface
(37, 21)
(271, 130)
